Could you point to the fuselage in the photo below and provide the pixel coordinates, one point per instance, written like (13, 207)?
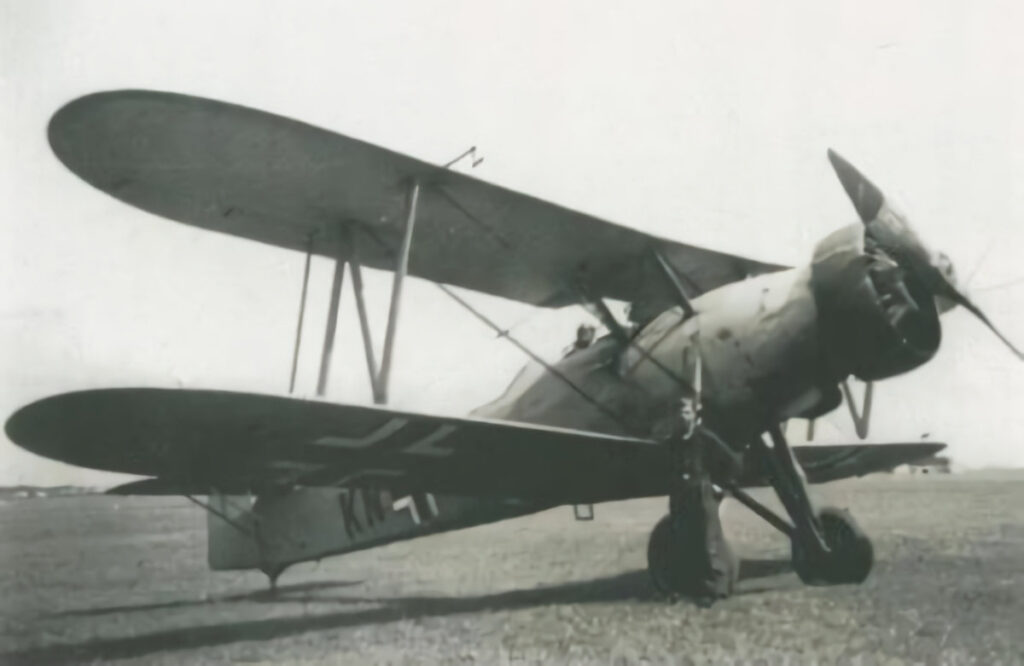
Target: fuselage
(771, 347)
(756, 344)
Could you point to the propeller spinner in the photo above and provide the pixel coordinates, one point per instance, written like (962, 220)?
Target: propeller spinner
(889, 231)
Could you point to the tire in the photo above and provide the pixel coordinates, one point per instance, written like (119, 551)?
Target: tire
(851, 554)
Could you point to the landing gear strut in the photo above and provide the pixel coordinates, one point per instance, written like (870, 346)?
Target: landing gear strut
(828, 546)
(688, 554)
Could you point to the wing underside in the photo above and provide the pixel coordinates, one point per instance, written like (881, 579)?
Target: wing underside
(197, 441)
(274, 180)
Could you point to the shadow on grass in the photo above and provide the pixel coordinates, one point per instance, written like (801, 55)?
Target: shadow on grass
(753, 569)
(283, 593)
(631, 586)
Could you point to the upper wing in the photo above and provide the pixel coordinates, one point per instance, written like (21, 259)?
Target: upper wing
(195, 441)
(275, 180)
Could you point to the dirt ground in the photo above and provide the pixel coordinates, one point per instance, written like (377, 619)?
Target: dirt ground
(96, 579)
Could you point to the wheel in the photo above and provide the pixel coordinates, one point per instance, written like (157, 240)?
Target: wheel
(689, 567)
(850, 555)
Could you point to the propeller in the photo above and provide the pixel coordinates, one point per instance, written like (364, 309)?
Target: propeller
(889, 231)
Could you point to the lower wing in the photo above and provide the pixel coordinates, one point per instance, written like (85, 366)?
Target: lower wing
(197, 441)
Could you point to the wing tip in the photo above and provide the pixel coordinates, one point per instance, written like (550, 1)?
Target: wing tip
(59, 129)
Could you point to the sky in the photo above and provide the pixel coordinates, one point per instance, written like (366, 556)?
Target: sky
(702, 122)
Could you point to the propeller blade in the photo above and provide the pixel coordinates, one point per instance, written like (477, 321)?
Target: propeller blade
(866, 197)
(892, 234)
(952, 293)
(885, 226)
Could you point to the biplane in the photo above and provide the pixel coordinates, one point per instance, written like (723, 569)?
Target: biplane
(717, 353)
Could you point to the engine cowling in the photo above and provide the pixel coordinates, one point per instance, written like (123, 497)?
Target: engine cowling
(876, 319)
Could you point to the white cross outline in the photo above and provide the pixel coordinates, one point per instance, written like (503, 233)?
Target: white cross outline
(384, 431)
(426, 446)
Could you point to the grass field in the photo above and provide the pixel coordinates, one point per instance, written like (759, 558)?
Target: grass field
(96, 579)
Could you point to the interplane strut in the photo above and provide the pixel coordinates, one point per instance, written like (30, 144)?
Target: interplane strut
(378, 375)
(302, 313)
(332, 324)
(401, 269)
